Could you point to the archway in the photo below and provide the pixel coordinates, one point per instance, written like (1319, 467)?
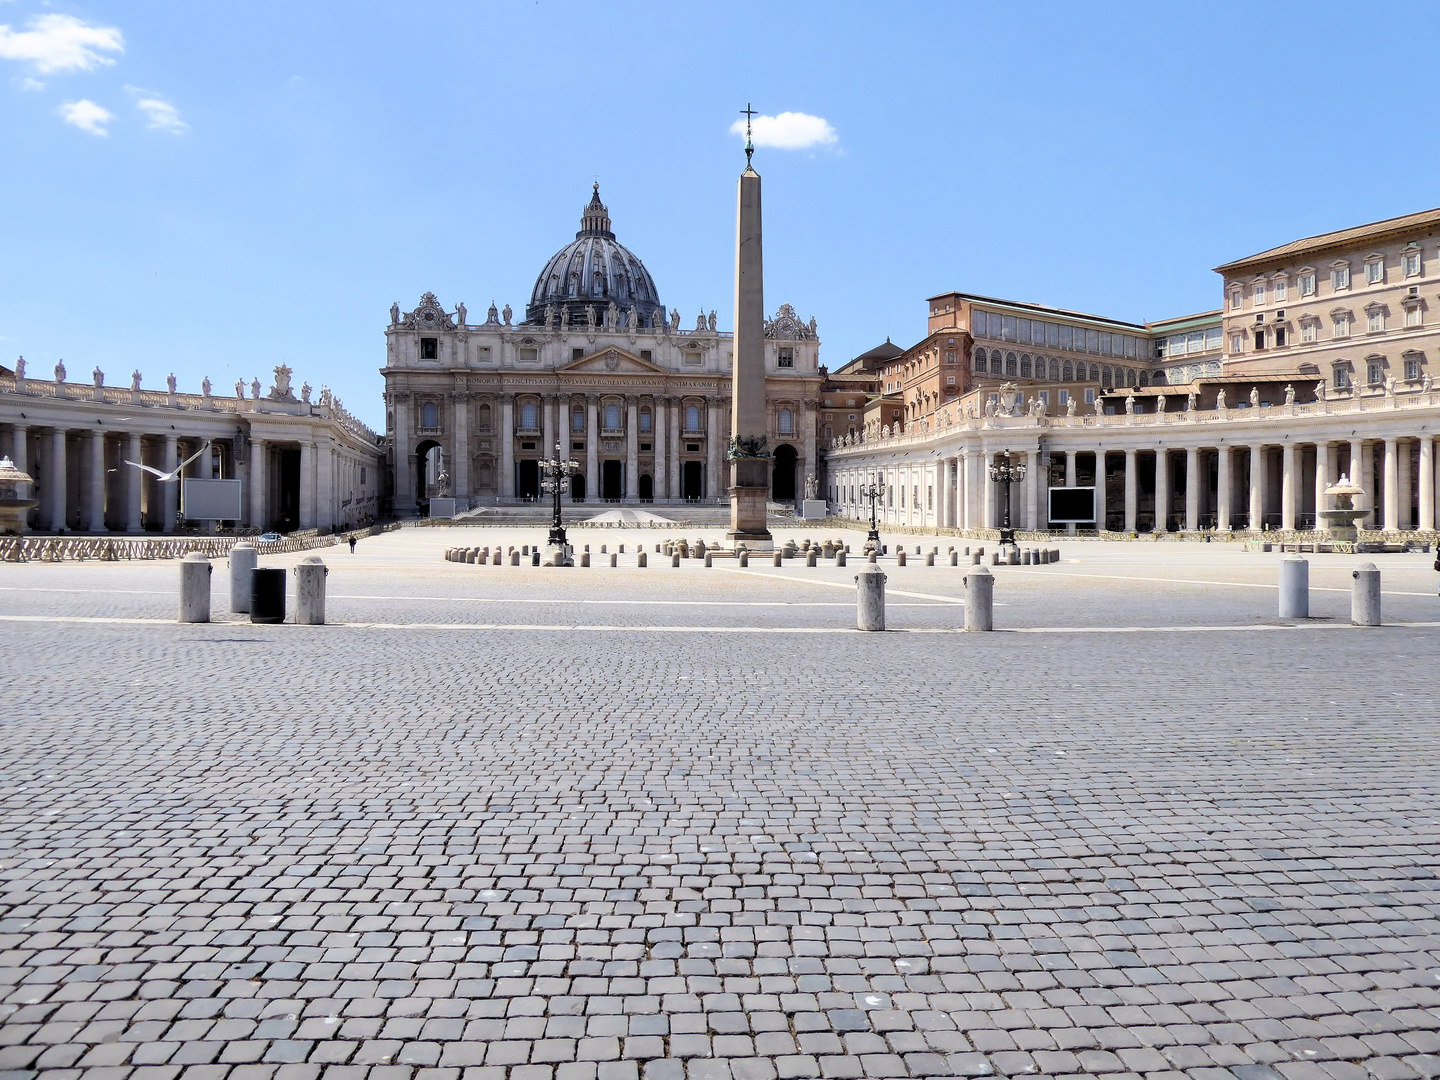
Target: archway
(612, 480)
(692, 481)
(577, 487)
(782, 486)
(529, 479)
(647, 489)
(429, 462)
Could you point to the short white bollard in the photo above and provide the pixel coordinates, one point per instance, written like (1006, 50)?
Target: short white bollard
(243, 558)
(640, 558)
(810, 557)
(1294, 588)
(310, 591)
(870, 599)
(840, 557)
(954, 557)
(614, 559)
(195, 588)
(743, 559)
(777, 560)
(1365, 596)
(980, 599)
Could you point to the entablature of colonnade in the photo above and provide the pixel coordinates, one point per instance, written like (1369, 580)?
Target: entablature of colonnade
(1377, 417)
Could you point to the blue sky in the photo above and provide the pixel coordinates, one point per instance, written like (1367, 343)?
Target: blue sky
(217, 189)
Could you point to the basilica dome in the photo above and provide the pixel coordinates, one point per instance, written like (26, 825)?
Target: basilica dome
(591, 272)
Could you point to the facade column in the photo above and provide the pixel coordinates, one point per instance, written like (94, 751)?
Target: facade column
(1288, 472)
(1071, 480)
(325, 489)
(1357, 476)
(19, 454)
(1034, 478)
(96, 517)
(547, 426)
(1392, 486)
(1132, 491)
(1374, 519)
(631, 490)
(170, 493)
(1427, 484)
(58, 476)
(660, 483)
(1257, 489)
(812, 463)
(460, 452)
(1402, 489)
(976, 501)
(404, 496)
(677, 419)
(592, 448)
(307, 484)
(134, 479)
(1192, 489)
(715, 486)
(507, 446)
(1224, 480)
(1162, 489)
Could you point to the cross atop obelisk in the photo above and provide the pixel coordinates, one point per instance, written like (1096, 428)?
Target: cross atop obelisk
(748, 454)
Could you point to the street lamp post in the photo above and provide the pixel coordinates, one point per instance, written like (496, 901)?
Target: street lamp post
(553, 473)
(874, 493)
(1004, 472)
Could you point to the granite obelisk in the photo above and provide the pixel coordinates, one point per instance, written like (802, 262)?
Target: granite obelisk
(748, 456)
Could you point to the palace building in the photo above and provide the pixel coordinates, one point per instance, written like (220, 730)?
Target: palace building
(598, 366)
(1319, 363)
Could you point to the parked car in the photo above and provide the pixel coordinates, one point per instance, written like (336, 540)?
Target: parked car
(270, 538)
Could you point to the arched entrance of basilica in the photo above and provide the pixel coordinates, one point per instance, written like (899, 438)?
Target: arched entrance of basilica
(429, 463)
(577, 487)
(782, 485)
(612, 480)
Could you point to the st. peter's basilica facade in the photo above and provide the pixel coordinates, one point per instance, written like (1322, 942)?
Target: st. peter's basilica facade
(598, 366)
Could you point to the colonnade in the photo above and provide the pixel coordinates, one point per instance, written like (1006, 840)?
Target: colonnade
(1256, 485)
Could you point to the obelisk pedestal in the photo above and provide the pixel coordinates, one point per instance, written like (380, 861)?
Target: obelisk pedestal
(748, 456)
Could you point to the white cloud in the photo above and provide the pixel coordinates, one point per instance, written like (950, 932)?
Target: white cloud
(87, 116)
(60, 43)
(28, 84)
(162, 115)
(789, 131)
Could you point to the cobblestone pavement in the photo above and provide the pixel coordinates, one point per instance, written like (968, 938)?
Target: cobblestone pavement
(645, 853)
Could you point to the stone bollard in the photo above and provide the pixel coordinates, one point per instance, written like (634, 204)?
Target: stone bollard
(1365, 596)
(980, 599)
(1294, 588)
(1012, 556)
(526, 550)
(840, 557)
(708, 562)
(535, 555)
(980, 551)
(1042, 556)
(874, 556)
(674, 559)
(514, 558)
(243, 558)
(602, 549)
(640, 559)
(613, 558)
(870, 599)
(267, 595)
(310, 591)
(472, 555)
(744, 558)
(622, 549)
(1025, 557)
(954, 557)
(810, 554)
(195, 588)
(585, 558)
(900, 556)
(995, 558)
(1054, 555)
(975, 559)
(930, 559)
(778, 559)
(498, 558)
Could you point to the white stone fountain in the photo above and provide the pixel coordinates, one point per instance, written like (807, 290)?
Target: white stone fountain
(13, 509)
(1340, 519)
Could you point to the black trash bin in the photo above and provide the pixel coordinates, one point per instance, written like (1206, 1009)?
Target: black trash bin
(267, 595)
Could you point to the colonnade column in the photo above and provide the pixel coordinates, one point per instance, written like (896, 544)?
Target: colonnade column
(1427, 483)
(460, 451)
(1192, 489)
(1287, 486)
(96, 518)
(1162, 489)
(1324, 469)
(134, 478)
(1225, 475)
(987, 492)
(1357, 461)
(1132, 491)
(507, 446)
(58, 486)
(658, 442)
(592, 448)
(307, 485)
(632, 449)
(325, 487)
(1402, 489)
(1071, 479)
(1033, 476)
(1257, 489)
(1392, 485)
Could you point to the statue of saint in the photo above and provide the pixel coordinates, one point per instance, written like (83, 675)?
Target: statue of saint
(135, 380)
(812, 326)
(810, 485)
(170, 383)
(1129, 404)
(549, 315)
(98, 376)
(1389, 385)
(1190, 401)
(20, 368)
(60, 371)
(460, 313)
(1427, 384)
(590, 318)
(255, 389)
(205, 386)
(1254, 397)
(1289, 395)
(394, 314)
(612, 316)
(305, 393)
(240, 388)
(1160, 403)
(675, 318)
(505, 314)
(1220, 400)
(1070, 405)
(712, 322)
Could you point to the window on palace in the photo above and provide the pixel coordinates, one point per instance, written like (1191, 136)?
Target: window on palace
(646, 420)
(577, 420)
(484, 417)
(787, 422)
(1064, 397)
(1340, 276)
(1342, 376)
(1089, 395)
(1340, 325)
(1375, 372)
(692, 418)
(1279, 337)
(996, 362)
(1307, 331)
(1237, 342)
(1011, 364)
(1025, 371)
(1259, 340)
(1412, 315)
(429, 415)
(1374, 271)
(1281, 287)
(1237, 299)
(429, 348)
(529, 416)
(1412, 263)
(612, 416)
(1375, 321)
(1307, 283)
(1412, 368)
(1067, 372)
(786, 358)
(1257, 293)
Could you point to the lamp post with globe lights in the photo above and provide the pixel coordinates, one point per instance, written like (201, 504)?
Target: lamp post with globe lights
(1005, 472)
(874, 493)
(553, 474)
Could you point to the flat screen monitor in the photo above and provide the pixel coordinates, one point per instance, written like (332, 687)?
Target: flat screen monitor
(1072, 505)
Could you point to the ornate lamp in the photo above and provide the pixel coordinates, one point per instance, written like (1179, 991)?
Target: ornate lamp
(874, 493)
(1007, 473)
(553, 474)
